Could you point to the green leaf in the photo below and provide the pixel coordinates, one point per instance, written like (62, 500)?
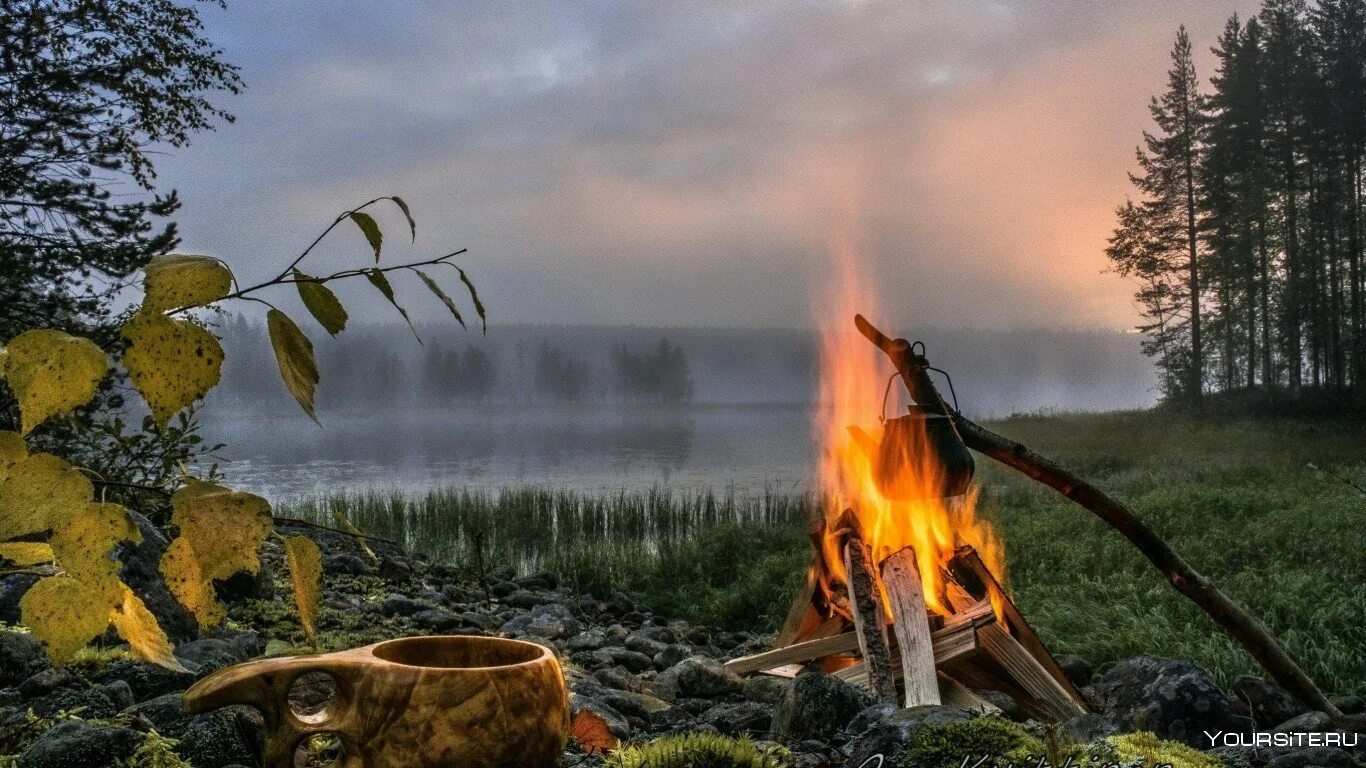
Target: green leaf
(52, 372)
(182, 280)
(305, 563)
(474, 296)
(371, 229)
(294, 356)
(381, 282)
(321, 302)
(440, 294)
(171, 362)
(402, 206)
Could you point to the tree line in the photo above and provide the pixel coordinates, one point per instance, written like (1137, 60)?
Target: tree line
(1245, 237)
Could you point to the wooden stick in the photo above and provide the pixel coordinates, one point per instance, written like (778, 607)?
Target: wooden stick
(1232, 616)
(911, 623)
(802, 612)
(870, 626)
(954, 694)
(1026, 670)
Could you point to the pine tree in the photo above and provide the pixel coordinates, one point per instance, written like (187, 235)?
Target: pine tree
(1169, 220)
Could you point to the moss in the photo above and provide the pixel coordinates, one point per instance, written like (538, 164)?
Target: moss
(699, 750)
(90, 659)
(156, 751)
(944, 745)
(1152, 751)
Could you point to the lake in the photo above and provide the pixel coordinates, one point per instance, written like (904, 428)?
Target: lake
(744, 447)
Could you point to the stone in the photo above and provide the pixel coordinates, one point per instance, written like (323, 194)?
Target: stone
(1309, 722)
(402, 605)
(1175, 699)
(617, 678)
(21, 656)
(698, 636)
(1010, 708)
(141, 570)
(1269, 704)
(436, 620)
(745, 718)
(79, 744)
(1075, 669)
(641, 644)
(48, 680)
(590, 640)
(523, 598)
(347, 564)
(671, 655)
(1349, 705)
(229, 736)
(210, 654)
(1088, 727)
(543, 582)
(12, 588)
(869, 718)
(765, 688)
(818, 706)
(244, 585)
(616, 722)
(891, 736)
(395, 569)
(1312, 757)
(697, 676)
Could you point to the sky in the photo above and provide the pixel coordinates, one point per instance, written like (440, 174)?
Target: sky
(693, 163)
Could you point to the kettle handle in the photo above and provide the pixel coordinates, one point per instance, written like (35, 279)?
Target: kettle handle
(265, 683)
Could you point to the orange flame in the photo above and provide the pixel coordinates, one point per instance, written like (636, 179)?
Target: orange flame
(853, 375)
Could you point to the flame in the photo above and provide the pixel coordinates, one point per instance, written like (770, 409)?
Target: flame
(853, 375)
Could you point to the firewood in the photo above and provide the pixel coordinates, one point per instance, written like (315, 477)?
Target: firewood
(954, 694)
(869, 623)
(802, 616)
(1232, 616)
(795, 653)
(950, 644)
(911, 623)
(1025, 669)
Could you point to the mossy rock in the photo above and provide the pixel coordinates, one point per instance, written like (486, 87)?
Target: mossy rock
(944, 745)
(699, 750)
(1153, 751)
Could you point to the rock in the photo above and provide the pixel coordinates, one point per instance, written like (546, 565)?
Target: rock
(484, 621)
(698, 636)
(94, 702)
(502, 589)
(642, 644)
(617, 678)
(347, 564)
(619, 604)
(247, 586)
(141, 571)
(616, 723)
(1010, 708)
(1075, 668)
(541, 582)
(1309, 722)
(79, 744)
(49, 680)
(402, 605)
(1088, 727)
(13, 587)
(1174, 699)
(210, 654)
(697, 676)
(891, 736)
(632, 661)
(1269, 703)
(395, 569)
(640, 706)
(1312, 757)
(145, 679)
(436, 620)
(523, 598)
(818, 706)
(869, 718)
(218, 739)
(745, 718)
(1349, 705)
(590, 640)
(764, 688)
(21, 655)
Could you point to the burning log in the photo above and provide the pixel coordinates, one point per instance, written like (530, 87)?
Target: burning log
(865, 598)
(911, 622)
(1232, 616)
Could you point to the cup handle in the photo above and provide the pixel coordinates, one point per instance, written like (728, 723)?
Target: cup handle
(265, 684)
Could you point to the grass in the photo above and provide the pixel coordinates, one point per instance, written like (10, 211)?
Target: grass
(1240, 500)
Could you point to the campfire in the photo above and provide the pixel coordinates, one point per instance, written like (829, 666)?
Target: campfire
(905, 593)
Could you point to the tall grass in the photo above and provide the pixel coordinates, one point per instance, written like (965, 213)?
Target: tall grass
(1240, 500)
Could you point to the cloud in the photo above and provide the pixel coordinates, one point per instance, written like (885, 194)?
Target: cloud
(690, 163)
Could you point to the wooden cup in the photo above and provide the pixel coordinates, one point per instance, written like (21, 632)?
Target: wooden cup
(426, 702)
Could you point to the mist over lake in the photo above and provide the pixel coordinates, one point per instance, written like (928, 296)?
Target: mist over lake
(604, 408)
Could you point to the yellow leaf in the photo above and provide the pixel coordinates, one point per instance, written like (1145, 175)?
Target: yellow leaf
(321, 302)
(182, 280)
(305, 562)
(4, 356)
(139, 628)
(171, 362)
(294, 356)
(64, 613)
(39, 492)
(26, 553)
(221, 532)
(82, 544)
(12, 449)
(52, 372)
